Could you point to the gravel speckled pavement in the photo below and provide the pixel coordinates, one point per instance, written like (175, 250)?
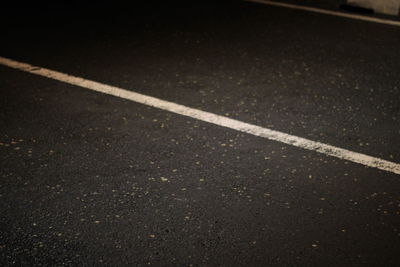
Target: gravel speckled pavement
(94, 180)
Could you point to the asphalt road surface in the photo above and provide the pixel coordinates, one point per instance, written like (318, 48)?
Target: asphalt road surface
(89, 179)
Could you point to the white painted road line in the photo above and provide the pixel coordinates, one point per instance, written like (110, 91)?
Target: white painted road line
(328, 12)
(208, 117)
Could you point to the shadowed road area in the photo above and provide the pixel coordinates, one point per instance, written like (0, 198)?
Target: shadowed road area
(89, 179)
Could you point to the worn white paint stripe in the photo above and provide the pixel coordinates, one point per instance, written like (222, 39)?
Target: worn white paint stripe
(208, 117)
(328, 12)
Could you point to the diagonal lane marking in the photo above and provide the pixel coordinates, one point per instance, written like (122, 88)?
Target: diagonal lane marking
(215, 119)
(328, 12)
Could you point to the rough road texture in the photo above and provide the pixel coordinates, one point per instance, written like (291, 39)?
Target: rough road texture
(88, 179)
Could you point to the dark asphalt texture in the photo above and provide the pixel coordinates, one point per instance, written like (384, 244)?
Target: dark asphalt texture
(93, 180)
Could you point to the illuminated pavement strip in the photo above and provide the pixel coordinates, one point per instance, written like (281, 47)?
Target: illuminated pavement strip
(328, 12)
(208, 117)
